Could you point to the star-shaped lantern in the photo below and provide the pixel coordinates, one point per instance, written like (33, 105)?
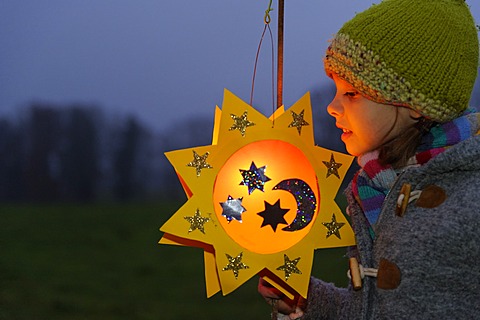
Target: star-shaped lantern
(259, 219)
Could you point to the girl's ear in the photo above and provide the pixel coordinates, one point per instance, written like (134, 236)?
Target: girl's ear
(414, 114)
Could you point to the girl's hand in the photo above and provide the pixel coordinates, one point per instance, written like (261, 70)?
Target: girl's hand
(284, 305)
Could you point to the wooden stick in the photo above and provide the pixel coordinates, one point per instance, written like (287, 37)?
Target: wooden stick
(281, 7)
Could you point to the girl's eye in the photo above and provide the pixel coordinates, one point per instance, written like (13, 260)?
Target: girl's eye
(351, 94)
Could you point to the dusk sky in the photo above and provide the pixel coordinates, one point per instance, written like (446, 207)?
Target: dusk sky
(161, 59)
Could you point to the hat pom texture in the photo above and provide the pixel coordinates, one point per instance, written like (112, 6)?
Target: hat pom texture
(421, 54)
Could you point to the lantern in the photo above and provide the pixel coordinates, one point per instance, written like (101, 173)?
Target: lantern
(261, 198)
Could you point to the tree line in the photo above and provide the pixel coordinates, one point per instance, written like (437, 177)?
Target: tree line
(78, 153)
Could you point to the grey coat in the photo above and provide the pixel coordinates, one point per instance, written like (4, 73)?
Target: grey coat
(437, 250)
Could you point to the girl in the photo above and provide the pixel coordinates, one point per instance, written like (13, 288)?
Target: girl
(404, 72)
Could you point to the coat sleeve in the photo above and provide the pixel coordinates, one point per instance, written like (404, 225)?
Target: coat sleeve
(326, 301)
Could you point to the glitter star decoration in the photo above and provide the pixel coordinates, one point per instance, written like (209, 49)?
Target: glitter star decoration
(235, 264)
(197, 222)
(254, 178)
(199, 162)
(240, 123)
(332, 167)
(233, 209)
(298, 121)
(273, 215)
(290, 266)
(333, 227)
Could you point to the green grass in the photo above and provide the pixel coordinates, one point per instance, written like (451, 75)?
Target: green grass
(103, 262)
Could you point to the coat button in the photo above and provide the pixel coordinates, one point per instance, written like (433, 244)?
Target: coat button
(389, 275)
(403, 198)
(432, 196)
(355, 274)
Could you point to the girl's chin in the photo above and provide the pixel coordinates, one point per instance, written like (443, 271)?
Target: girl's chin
(353, 150)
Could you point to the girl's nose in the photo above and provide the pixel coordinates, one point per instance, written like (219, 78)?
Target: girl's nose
(335, 108)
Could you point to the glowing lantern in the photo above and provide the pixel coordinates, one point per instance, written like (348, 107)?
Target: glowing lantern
(261, 198)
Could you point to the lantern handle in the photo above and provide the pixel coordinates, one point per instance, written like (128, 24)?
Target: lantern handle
(267, 19)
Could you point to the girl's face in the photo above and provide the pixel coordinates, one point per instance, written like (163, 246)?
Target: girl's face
(366, 124)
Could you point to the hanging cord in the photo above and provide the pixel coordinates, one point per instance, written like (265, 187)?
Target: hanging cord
(267, 20)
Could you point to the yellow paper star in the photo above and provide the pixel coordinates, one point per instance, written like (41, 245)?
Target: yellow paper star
(296, 179)
(290, 266)
(333, 227)
(199, 162)
(298, 121)
(332, 167)
(197, 222)
(235, 264)
(241, 123)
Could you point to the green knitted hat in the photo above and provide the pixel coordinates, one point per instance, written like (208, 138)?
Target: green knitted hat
(421, 54)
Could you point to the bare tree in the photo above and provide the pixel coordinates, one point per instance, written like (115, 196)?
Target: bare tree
(43, 129)
(78, 161)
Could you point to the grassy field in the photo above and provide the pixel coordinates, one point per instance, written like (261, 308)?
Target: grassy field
(103, 262)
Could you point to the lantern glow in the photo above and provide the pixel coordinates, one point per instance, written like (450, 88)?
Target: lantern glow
(282, 160)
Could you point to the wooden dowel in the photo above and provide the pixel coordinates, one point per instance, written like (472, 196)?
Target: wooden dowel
(281, 8)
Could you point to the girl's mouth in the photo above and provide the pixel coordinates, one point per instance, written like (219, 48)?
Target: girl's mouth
(346, 134)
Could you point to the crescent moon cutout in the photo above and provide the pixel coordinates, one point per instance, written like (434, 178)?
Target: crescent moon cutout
(306, 202)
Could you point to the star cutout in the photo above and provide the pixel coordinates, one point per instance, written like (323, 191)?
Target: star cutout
(332, 167)
(290, 266)
(199, 162)
(197, 222)
(241, 123)
(235, 264)
(298, 121)
(254, 178)
(233, 209)
(273, 215)
(333, 227)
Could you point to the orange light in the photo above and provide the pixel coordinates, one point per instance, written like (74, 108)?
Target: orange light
(282, 161)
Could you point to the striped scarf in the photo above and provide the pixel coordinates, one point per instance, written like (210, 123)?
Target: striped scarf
(372, 182)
